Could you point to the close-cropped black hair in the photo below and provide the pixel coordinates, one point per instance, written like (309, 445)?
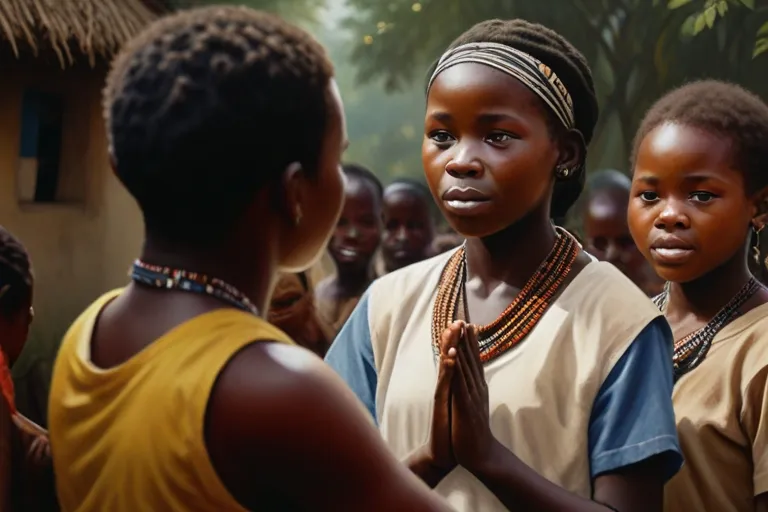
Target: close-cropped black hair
(608, 179)
(363, 173)
(420, 190)
(724, 109)
(570, 66)
(415, 186)
(16, 278)
(208, 105)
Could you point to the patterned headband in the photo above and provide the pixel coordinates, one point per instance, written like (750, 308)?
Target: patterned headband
(534, 74)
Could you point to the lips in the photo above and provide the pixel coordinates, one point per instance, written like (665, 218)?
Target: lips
(671, 250)
(347, 253)
(465, 200)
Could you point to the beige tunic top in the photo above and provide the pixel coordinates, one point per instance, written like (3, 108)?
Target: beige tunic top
(721, 410)
(541, 393)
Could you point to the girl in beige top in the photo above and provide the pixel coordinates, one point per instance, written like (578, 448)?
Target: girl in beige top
(699, 177)
(563, 400)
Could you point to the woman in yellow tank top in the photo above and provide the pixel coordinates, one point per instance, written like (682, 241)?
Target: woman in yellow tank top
(226, 127)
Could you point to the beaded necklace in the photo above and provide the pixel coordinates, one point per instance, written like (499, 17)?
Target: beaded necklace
(691, 350)
(514, 324)
(178, 279)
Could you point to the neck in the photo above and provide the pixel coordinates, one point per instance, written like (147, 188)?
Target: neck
(353, 280)
(706, 295)
(513, 254)
(249, 270)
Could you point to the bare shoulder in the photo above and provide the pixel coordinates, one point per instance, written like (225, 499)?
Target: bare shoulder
(278, 417)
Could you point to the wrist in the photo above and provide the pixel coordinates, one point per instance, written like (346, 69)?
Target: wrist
(423, 464)
(486, 466)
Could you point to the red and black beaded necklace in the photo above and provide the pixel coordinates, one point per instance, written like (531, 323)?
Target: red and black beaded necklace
(521, 316)
(691, 350)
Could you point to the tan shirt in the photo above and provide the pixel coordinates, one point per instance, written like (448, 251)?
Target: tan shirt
(722, 423)
(541, 393)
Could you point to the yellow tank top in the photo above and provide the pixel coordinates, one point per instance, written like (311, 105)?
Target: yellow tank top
(130, 438)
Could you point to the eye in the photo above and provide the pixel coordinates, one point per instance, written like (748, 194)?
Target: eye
(440, 137)
(702, 197)
(500, 138)
(649, 196)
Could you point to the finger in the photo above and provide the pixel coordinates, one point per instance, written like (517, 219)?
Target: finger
(445, 376)
(461, 388)
(451, 336)
(465, 359)
(478, 372)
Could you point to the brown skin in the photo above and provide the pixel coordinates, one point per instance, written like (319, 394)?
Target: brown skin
(277, 415)
(354, 243)
(486, 130)
(15, 329)
(685, 185)
(408, 227)
(292, 309)
(608, 238)
(32, 459)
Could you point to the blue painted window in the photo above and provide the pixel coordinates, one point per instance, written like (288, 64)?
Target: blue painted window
(41, 133)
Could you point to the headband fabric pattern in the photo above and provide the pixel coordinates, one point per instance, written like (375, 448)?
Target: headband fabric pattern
(533, 73)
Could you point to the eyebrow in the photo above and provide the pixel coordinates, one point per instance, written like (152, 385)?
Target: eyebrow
(648, 180)
(485, 118)
(700, 178)
(443, 117)
(491, 118)
(694, 178)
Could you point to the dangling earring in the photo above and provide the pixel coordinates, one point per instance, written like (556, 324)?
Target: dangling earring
(562, 172)
(298, 216)
(756, 246)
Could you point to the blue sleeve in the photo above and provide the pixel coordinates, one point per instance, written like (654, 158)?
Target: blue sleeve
(632, 418)
(351, 356)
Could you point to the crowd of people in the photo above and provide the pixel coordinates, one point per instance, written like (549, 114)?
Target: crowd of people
(509, 365)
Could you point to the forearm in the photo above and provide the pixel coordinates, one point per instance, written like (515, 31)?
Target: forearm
(519, 487)
(420, 463)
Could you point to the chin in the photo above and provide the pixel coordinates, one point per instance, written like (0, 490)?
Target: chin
(474, 227)
(677, 274)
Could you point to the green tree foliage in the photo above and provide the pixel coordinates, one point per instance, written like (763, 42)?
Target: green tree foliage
(385, 129)
(638, 50)
(708, 12)
(304, 11)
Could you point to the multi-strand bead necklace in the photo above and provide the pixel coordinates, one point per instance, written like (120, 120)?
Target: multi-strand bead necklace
(514, 324)
(178, 279)
(691, 350)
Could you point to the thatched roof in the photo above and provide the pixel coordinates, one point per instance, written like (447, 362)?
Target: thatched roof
(94, 27)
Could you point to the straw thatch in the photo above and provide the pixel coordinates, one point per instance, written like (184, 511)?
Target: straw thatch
(95, 27)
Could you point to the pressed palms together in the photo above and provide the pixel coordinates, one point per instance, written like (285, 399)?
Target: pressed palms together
(460, 432)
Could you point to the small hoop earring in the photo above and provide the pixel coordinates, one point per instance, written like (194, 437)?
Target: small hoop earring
(756, 246)
(562, 172)
(297, 218)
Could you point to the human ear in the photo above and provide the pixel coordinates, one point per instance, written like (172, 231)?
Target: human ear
(294, 179)
(573, 152)
(760, 209)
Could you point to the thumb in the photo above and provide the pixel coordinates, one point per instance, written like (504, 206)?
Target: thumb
(445, 375)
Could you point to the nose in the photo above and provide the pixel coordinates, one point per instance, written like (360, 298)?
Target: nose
(464, 164)
(673, 216)
(351, 233)
(401, 235)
